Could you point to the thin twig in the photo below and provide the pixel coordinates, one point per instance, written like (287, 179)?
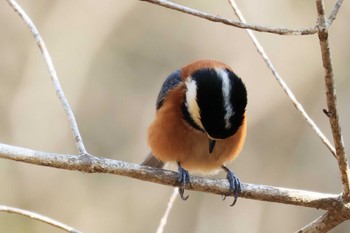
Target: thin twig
(91, 164)
(219, 19)
(164, 219)
(332, 100)
(334, 13)
(280, 80)
(325, 223)
(59, 91)
(38, 217)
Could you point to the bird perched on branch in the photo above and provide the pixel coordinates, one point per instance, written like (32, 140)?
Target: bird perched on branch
(200, 122)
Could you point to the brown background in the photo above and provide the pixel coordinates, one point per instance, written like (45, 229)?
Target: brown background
(111, 58)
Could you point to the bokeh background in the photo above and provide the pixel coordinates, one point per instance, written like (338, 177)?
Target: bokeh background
(111, 58)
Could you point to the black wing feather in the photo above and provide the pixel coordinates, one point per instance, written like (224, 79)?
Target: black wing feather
(171, 82)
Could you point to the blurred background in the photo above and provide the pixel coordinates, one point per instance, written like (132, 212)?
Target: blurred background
(111, 58)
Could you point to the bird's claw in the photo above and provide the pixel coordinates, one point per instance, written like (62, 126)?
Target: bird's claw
(183, 177)
(235, 184)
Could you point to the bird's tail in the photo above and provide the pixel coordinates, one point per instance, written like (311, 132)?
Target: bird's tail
(152, 161)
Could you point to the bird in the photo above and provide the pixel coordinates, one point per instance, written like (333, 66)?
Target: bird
(200, 122)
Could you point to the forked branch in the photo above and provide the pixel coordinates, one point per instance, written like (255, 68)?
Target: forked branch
(325, 223)
(332, 99)
(59, 91)
(281, 81)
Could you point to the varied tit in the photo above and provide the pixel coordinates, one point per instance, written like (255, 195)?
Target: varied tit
(200, 121)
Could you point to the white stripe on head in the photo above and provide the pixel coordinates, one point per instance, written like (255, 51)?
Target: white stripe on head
(191, 101)
(226, 95)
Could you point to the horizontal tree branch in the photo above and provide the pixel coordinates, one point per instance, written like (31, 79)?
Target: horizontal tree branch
(38, 217)
(219, 19)
(92, 164)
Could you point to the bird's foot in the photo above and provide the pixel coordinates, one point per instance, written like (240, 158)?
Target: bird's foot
(183, 177)
(235, 184)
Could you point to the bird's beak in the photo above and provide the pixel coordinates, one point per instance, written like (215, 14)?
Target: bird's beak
(211, 145)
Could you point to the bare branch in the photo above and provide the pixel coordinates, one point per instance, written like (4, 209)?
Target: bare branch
(337, 211)
(332, 100)
(90, 164)
(219, 19)
(334, 13)
(164, 219)
(324, 223)
(59, 91)
(280, 80)
(39, 217)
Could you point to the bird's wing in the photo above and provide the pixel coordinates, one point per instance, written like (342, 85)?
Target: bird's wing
(171, 82)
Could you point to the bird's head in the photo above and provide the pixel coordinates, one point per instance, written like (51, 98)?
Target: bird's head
(215, 101)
